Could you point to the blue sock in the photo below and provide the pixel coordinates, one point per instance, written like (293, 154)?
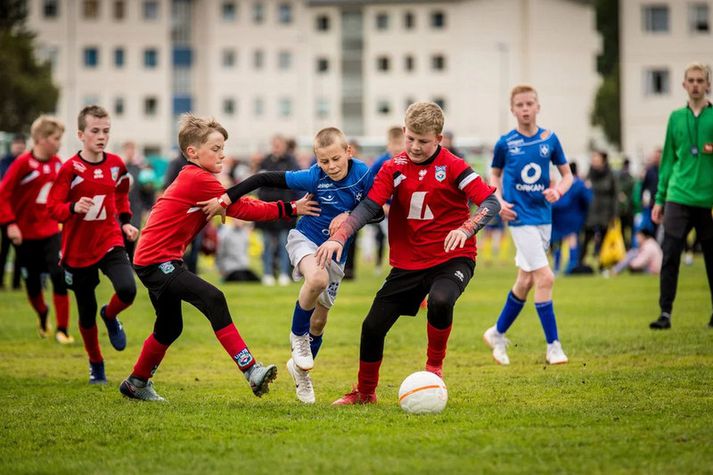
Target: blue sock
(300, 320)
(510, 311)
(547, 317)
(314, 344)
(573, 258)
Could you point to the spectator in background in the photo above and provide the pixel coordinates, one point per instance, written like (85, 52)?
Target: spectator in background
(447, 143)
(232, 257)
(133, 166)
(646, 257)
(625, 202)
(17, 146)
(603, 207)
(649, 186)
(568, 216)
(350, 265)
(274, 233)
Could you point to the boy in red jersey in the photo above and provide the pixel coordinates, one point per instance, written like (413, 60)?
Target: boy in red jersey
(431, 241)
(23, 199)
(173, 223)
(88, 196)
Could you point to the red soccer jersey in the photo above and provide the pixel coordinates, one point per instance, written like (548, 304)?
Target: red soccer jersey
(429, 200)
(23, 196)
(175, 219)
(86, 238)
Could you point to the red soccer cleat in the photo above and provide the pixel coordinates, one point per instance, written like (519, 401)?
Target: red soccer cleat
(355, 397)
(437, 370)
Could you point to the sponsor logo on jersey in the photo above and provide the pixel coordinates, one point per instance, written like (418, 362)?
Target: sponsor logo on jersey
(516, 151)
(358, 196)
(460, 275)
(322, 186)
(400, 160)
(530, 174)
(440, 172)
(114, 173)
(98, 174)
(79, 166)
(328, 198)
(166, 267)
(244, 358)
(544, 150)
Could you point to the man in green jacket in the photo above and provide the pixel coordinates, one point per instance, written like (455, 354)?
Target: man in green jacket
(685, 193)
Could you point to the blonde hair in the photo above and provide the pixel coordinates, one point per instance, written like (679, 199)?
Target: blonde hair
(328, 136)
(44, 126)
(95, 111)
(424, 117)
(520, 88)
(194, 130)
(395, 133)
(697, 66)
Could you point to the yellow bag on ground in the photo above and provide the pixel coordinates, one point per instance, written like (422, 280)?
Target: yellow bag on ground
(613, 248)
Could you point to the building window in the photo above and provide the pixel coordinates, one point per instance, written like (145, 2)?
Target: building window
(322, 108)
(322, 65)
(150, 58)
(382, 63)
(383, 107)
(258, 107)
(657, 82)
(382, 21)
(322, 23)
(284, 107)
(698, 18)
(438, 19)
(228, 58)
(182, 103)
(655, 18)
(284, 60)
(409, 21)
(90, 9)
(119, 106)
(258, 12)
(119, 11)
(229, 106)
(284, 13)
(182, 57)
(258, 59)
(119, 57)
(150, 106)
(91, 57)
(438, 62)
(150, 10)
(50, 9)
(409, 63)
(228, 11)
(441, 102)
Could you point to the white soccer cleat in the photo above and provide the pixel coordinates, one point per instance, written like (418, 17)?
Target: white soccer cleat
(303, 383)
(555, 355)
(498, 343)
(284, 280)
(301, 351)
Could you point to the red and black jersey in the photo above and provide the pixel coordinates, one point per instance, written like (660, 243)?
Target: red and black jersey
(175, 219)
(86, 238)
(430, 199)
(23, 195)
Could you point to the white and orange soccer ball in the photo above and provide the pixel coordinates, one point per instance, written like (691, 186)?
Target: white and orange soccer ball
(423, 393)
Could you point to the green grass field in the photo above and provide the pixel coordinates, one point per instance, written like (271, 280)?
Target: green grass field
(630, 400)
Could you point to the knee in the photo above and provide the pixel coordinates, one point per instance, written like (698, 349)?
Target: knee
(546, 280)
(317, 282)
(524, 281)
(439, 304)
(127, 293)
(167, 335)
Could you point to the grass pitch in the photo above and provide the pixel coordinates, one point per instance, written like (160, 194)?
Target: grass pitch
(630, 401)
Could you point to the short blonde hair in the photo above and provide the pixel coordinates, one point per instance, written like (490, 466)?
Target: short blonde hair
(95, 111)
(697, 66)
(424, 117)
(395, 133)
(520, 88)
(328, 136)
(44, 126)
(194, 130)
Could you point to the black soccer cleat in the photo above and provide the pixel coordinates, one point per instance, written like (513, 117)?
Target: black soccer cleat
(663, 323)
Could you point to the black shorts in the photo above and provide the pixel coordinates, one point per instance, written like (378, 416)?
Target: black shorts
(408, 288)
(157, 277)
(39, 255)
(88, 277)
(678, 220)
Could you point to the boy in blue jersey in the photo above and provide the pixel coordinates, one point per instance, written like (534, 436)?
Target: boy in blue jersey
(338, 183)
(521, 173)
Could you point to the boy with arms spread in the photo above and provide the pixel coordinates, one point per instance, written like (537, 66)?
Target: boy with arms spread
(521, 169)
(173, 223)
(338, 182)
(88, 196)
(431, 241)
(36, 235)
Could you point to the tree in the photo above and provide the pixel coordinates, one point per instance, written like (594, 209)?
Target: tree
(606, 112)
(27, 88)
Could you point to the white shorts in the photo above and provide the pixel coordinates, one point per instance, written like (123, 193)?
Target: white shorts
(531, 243)
(298, 246)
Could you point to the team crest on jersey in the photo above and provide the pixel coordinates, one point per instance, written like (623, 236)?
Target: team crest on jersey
(114, 173)
(166, 267)
(243, 358)
(544, 150)
(79, 166)
(440, 172)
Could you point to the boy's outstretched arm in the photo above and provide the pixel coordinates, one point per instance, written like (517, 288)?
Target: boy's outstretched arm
(488, 209)
(216, 206)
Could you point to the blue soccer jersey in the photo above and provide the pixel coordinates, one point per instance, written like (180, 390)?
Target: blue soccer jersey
(334, 197)
(525, 162)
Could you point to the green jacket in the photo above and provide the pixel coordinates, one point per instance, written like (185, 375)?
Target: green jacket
(685, 178)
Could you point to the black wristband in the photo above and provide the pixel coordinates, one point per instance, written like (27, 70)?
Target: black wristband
(71, 208)
(125, 218)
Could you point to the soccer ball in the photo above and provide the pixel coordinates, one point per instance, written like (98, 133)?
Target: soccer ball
(423, 393)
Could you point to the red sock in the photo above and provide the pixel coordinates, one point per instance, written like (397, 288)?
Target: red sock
(38, 303)
(437, 343)
(151, 355)
(368, 376)
(61, 310)
(91, 343)
(115, 307)
(235, 346)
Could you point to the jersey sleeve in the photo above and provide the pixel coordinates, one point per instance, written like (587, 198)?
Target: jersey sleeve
(499, 154)
(471, 183)
(58, 199)
(121, 194)
(251, 209)
(7, 190)
(383, 184)
(557, 157)
(304, 180)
